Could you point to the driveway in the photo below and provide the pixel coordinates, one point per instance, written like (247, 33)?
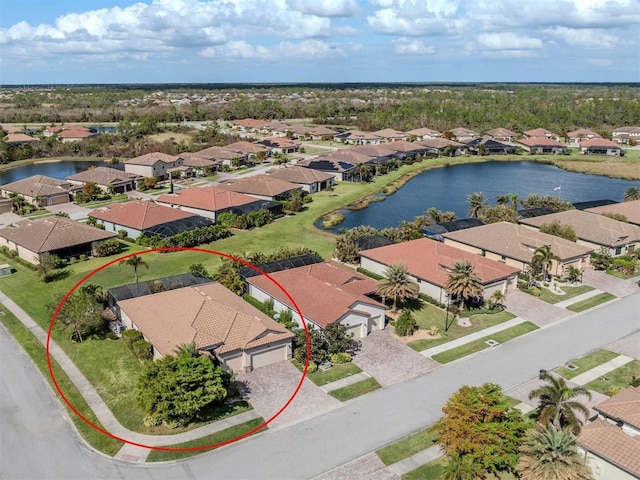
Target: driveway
(269, 388)
(75, 212)
(7, 219)
(389, 361)
(533, 309)
(629, 346)
(608, 283)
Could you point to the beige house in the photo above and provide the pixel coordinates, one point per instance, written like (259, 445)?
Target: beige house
(423, 133)
(264, 187)
(106, 178)
(153, 165)
(356, 137)
(600, 146)
(578, 136)
(501, 134)
(429, 262)
(220, 323)
(515, 245)
(630, 209)
(626, 135)
(542, 145)
(326, 293)
(311, 181)
(594, 231)
(542, 132)
(391, 135)
(45, 191)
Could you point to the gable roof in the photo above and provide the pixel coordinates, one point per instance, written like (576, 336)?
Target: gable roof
(152, 158)
(193, 159)
(139, 214)
(208, 314)
(623, 406)
(206, 198)
(104, 176)
(516, 241)
(38, 186)
(299, 175)
(263, 185)
(431, 261)
(52, 233)
(591, 227)
(630, 209)
(609, 442)
(311, 286)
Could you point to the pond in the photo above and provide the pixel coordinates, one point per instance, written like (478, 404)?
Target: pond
(447, 189)
(59, 170)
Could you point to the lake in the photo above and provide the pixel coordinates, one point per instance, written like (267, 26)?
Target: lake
(59, 170)
(447, 189)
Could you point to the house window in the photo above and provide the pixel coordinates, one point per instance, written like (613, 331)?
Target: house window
(618, 250)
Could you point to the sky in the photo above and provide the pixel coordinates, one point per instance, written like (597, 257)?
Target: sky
(284, 41)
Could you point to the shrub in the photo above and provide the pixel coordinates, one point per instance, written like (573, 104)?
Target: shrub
(151, 420)
(312, 367)
(433, 331)
(83, 257)
(122, 234)
(368, 273)
(142, 349)
(431, 300)
(73, 260)
(131, 336)
(405, 324)
(338, 358)
(107, 248)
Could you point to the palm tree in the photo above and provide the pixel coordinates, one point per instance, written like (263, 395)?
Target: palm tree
(461, 467)
(135, 262)
(631, 193)
(498, 298)
(364, 171)
(544, 257)
(477, 203)
(435, 214)
(464, 282)
(549, 453)
(396, 284)
(502, 199)
(187, 349)
(573, 273)
(557, 404)
(514, 199)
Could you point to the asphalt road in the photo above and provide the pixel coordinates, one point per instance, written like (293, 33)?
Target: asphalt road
(34, 442)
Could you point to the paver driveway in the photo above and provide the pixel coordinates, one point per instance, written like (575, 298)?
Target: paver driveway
(608, 283)
(629, 346)
(533, 309)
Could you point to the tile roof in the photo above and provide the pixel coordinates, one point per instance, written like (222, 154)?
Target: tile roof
(212, 199)
(421, 132)
(192, 159)
(540, 142)
(389, 133)
(251, 123)
(540, 132)
(463, 132)
(139, 214)
(516, 241)
(501, 132)
(245, 147)
(152, 158)
(351, 156)
(610, 443)
(104, 176)
(582, 132)
(431, 260)
(299, 175)
(631, 210)
(277, 142)
(38, 186)
(626, 130)
(263, 185)
(52, 233)
(591, 227)
(208, 314)
(599, 142)
(441, 143)
(220, 153)
(75, 133)
(326, 163)
(19, 138)
(324, 292)
(357, 134)
(624, 406)
(375, 151)
(404, 146)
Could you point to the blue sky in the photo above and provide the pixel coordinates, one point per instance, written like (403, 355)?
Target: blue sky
(125, 41)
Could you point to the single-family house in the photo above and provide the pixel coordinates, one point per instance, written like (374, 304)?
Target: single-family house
(594, 231)
(487, 146)
(251, 125)
(390, 135)
(429, 263)
(153, 165)
(378, 153)
(106, 179)
(436, 230)
(55, 235)
(356, 157)
(326, 293)
(600, 146)
(542, 145)
(626, 135)
(11, 129)
(68, 133)
(442, 146)
(611, 443)
(356, 137)
(542, 132)
(224, 156)
(19, 139)
(310, 181)
(220, 323)
(578, 136)
(501, 134)
(200, 164)
(341, 170)
(630, 209)
(211, 201)
(461, 134)
(45, 191)
(279, 145)
(265, 187)
(319, 132)
(406, 149)
(248, 150)
(515, 245)
(141, 217)
(423, 133)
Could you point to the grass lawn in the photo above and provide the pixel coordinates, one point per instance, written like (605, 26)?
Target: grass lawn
(570, 292)
(615, 273)
(616, 380)
(478, 345)
(407, 446)
(219, 437)
(36, 351)
(586, 363)
(431, 315)
(101, 203)
(428, 471)
(334, 373)
(176, 136)
(591, 302)
(352, 391)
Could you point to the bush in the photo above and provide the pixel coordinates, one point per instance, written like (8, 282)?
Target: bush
(107, 248)
(312, 367)
(122, 234)
(431, 300)
(131, 336)
(366, 272)
(405, 325)
(338, 358)
(142, 349)
(83, 257)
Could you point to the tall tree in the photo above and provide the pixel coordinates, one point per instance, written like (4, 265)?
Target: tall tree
(631, 193)
(477, 203)
(551, 454)
(397, 285)
(544, 257)
(135, 262)
(82, 314)
(464, 282)
(557, 403)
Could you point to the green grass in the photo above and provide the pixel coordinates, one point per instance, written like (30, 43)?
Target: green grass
(624, 276)
(590, 302)
(407, 446)
(352, 391)
(214, 438)
(336, 372)
(121, 198)
(570, 292)
(478, 345)
(428, 471)
(586, 363)
(36, 351)
(430, 316)
(616, 380)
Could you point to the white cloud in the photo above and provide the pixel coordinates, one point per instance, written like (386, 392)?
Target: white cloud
(412, 47)
(325, 8)
(302, 50)
(507, 41)
(585, 37)
(416, 17)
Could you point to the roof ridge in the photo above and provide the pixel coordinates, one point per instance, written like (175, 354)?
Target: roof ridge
(53, 226)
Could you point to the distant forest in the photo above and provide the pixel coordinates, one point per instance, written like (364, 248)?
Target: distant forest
(557, 107)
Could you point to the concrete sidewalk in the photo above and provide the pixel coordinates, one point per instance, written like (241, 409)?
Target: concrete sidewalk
(416, 460)
(345, 382)
(578, 298)
(601, 370)
(473, 336)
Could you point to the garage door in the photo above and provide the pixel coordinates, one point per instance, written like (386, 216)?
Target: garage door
(267, 357)
(356, 330)
(234, 364)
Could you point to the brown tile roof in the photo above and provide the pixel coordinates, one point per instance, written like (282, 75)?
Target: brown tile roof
(75, 133)
(276, 142)
(324, 292)
(196, 160)
(591, 227)
(626, 130)
(38, 186)
(351, 156)
(374, 151)
(19, 138)
(321, 130)
(251, 123)
(540, 142)
(431, 260)
(501, 132)
(609, 442)
(10, 128)
(516, 241)
(245, 148)
(139, 214)
(463, 132)
(599, 142)
(52, 233)
(59, 129)
(390, 133)
(582, 132)
(220, 153)
(104, 176)
(404, 146)
(152, 158)
(263, 185)
(208, 314)
(206, 198)
(299, 175)
(631, 210)
(441, 143)
(357, 134)
(420, 132)
(624, 406)
(540, 132)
